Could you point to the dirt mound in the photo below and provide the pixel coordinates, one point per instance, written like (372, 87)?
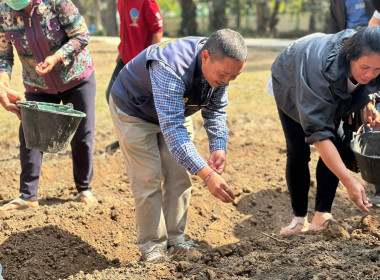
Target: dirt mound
(64, 239)
(67, 240)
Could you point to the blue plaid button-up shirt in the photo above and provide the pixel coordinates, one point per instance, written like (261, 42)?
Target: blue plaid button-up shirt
(168, 92)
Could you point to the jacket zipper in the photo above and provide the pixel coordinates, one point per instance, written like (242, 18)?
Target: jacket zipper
(42, 54)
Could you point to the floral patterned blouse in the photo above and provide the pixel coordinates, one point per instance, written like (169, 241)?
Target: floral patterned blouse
(53, 26)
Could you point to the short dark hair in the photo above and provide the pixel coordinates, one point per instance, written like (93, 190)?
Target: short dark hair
(226, 43)
(364, 42)
(376, 5)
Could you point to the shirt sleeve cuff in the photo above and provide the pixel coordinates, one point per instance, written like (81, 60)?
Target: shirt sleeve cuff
(218, 144)
(319, 136)
(63, 57)
(198, 166)
(376, 14)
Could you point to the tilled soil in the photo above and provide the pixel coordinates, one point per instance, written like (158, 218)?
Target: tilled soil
(65, 239)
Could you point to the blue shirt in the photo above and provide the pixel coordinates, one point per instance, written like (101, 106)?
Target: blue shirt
(355, 13)
(168, 90)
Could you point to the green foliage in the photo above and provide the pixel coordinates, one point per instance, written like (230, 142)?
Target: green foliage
(169, 6)
(282, 7)
(295, 6)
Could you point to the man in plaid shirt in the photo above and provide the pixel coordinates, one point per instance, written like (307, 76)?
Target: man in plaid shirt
(149, 101)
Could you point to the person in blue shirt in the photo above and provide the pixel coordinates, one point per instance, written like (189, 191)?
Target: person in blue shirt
(352, 14)
(150, 99)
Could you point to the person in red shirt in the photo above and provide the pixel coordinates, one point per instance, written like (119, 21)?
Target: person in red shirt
(141, 25)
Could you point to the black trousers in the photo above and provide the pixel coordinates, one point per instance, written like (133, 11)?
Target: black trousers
(120, 64)
(297, 168)
(83, 99)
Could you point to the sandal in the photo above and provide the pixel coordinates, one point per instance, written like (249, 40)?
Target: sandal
(298, 224)
(324, 225)
(89, 196)
(23, 206)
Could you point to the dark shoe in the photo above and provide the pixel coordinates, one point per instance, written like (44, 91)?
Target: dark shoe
(375, 201)
(113, 146)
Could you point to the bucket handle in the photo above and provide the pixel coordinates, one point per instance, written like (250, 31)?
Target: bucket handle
(361, 128)
(68, 106)
(34, 105)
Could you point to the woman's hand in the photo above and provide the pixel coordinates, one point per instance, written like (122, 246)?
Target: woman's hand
(371, 115)
(333, 161)
(357, 195)
(45, 67)
(8, 99)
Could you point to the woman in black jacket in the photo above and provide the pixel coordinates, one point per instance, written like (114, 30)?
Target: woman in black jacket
(318, 81)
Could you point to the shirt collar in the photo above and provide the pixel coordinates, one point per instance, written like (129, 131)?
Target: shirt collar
(35, 4)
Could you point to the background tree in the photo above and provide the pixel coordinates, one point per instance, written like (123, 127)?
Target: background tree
(238, 14)
(273, 20)
(188, 22)
(218, 18)
(262, 16)
(169, 7)
(201, 17)
(108, 10)
(100, 16)
(312, 21)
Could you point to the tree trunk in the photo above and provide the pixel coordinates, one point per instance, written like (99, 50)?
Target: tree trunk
(274, 20)
(312, 28)
(262, 17)
(238, 15)
(108, 17)
(188, 23)
(218, 19)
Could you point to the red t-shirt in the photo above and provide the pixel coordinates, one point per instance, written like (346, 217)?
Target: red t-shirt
(139, 19)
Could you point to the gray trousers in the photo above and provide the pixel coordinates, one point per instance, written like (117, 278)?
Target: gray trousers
(161, 187)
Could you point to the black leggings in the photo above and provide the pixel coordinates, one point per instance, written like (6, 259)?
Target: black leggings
(297, 170)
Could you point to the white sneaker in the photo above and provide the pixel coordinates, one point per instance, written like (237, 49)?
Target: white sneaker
(156, 255)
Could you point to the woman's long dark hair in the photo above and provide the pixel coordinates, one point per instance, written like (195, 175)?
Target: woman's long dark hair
(364, 42)
(376, 5)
